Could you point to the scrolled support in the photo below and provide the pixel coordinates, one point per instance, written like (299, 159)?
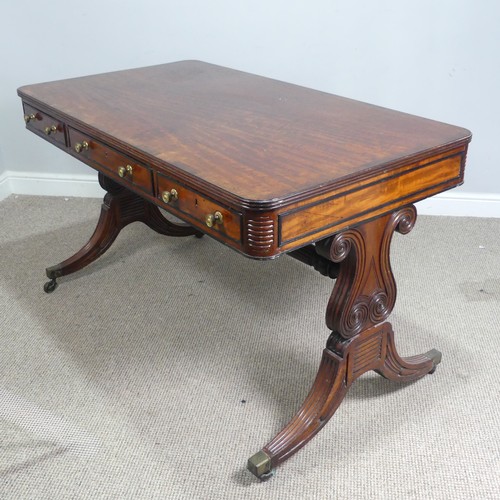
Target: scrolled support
(365, 292)
(361, 340)
(120, 208)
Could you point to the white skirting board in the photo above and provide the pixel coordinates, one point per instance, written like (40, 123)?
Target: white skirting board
(38, 184)
(450, 203)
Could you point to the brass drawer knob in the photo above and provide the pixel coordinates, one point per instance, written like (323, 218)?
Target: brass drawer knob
(81, 146)
(50, 130)
(215, 218)
(29, 118)
(124, 171)
(168, 196)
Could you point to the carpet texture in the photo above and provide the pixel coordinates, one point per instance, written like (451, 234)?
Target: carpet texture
(158, 370)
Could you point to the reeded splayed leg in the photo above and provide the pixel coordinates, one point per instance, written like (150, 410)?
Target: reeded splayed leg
(361, 340)
(120, 207)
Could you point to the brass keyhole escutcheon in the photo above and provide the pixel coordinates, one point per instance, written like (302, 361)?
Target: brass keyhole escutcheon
(168, 196)
(124, 171)
(215, 218)
(81, 146)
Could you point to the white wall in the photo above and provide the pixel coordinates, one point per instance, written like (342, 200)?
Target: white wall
(437, 59)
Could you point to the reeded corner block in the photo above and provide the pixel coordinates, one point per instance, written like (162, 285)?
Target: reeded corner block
(260, 465)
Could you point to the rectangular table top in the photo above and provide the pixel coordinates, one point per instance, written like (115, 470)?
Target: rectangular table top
(257, 138)
(283, 165)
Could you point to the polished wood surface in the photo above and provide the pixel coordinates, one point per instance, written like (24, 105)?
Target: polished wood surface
(362, 299)
(266, 168)
(120, 208)
(290, 165)
(254, 137)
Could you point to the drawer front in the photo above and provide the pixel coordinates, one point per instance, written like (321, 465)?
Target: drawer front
(177, 198)
(43, 124)
(113, 162)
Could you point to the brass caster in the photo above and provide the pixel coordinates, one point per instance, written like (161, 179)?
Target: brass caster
(267, 475)
(50, 286)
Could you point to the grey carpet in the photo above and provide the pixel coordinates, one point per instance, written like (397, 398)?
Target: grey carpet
(158, 370)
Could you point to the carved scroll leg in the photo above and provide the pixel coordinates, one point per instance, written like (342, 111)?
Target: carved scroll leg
(328, 391)
(343, 361)
(407, 369)
(120, 208)
(362, 299)
(105, 233)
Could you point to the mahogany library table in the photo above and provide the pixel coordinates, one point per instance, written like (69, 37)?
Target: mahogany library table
(266, 168)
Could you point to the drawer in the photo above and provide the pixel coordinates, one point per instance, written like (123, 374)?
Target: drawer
(215, 218)
(95, 153)
(43, 124)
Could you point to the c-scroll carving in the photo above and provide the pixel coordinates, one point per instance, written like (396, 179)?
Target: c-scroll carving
(361, 339)
(365, 292)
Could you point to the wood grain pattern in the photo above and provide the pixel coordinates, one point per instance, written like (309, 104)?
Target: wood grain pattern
(255, 138)
(404, 187)
(195, 207)
(289, 165)
(110, 160)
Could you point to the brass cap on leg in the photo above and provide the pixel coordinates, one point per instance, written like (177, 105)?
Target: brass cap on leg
(260, 465)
